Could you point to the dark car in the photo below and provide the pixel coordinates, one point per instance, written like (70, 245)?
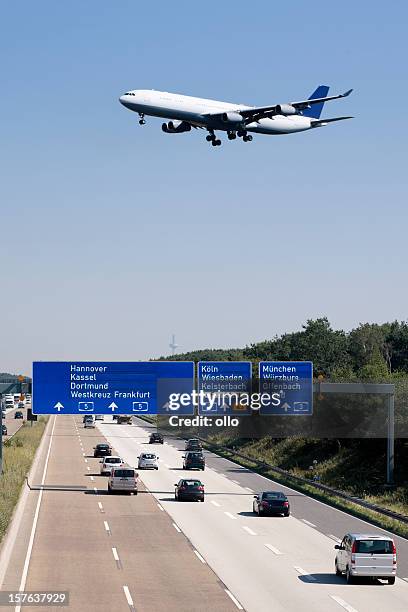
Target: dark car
(18, 414)
(4, 430)
(102, 450)
(193, 460)
(271, 502)
(193, 444)
(3, 414)
(190, 489)
(156, 438)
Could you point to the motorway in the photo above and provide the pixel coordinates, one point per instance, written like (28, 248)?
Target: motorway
(149, 552)
(11, 423)
(112, 553)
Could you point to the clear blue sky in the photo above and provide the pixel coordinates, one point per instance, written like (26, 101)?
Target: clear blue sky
(114, 236)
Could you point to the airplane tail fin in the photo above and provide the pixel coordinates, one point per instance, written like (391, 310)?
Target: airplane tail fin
(316, 109)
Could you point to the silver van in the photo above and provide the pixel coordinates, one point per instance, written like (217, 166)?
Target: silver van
(366, 555)
(123, 479)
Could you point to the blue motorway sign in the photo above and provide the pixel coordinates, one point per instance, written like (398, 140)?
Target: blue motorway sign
(79, 387)
(292, 381)
(222, 382)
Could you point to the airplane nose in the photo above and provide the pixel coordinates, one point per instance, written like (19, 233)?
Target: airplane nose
(122, 99)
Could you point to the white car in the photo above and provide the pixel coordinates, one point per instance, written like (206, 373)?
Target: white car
(148, 461)
(123, 479)
(366, 555)
(110, 462)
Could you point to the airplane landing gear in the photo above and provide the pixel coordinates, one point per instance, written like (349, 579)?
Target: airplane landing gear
(232, 135)
(142, 120)
(211, 137)
(247, 138)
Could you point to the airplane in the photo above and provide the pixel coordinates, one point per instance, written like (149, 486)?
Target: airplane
(186, 112)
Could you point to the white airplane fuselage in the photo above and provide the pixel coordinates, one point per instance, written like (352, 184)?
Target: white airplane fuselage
(197, 112)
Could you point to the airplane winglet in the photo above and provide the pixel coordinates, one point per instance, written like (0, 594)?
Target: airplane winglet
(347, 93)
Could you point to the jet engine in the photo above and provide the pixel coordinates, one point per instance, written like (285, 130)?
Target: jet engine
(232, 118)
(285, 109)
(176, 127)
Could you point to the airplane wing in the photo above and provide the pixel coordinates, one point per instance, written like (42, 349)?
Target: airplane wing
(293, 108)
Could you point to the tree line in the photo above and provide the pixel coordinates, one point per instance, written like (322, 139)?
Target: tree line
(370, 352)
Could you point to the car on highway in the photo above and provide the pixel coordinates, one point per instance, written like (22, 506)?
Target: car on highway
(18, 414)
(194, 460)
(102, 450)
(156, 438)
(189, 489)
(123, 479)
(99, 417)
(20, 405)
(110, 462)
(193, 444)
(148, 461)
(271, 502)
(89, 421)
(4, 430)
(3, 414)
(366, 555)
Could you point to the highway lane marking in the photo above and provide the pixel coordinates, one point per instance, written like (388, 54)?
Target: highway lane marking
(35, 521)
(86, 460)
(214, 503)
(88, 468)
(231, 516)
(107, 528)
(101, 507)
(83, 454)
(128, 597)
(234, 599)
(248, 489)
(273, 549)
(405, 579)
(167, 465)
(308, 523)
(93, 479)
(343, 603)
(176, 527)
(236, 481)
(160, 507)
(95, 490)
(116, 557)
(333, 537)
(249, 530)
(305, 574)
(317, 501)
(199, 556)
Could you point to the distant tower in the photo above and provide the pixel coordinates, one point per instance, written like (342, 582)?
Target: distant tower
(173, 344)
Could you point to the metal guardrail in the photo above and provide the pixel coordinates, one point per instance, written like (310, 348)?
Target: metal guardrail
(317, 485)
(355, 500)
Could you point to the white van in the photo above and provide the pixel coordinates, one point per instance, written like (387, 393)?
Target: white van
(123, 479)
(366, 555)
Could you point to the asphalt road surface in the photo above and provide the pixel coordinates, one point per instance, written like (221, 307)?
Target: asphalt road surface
(267, 563)
(111, 553)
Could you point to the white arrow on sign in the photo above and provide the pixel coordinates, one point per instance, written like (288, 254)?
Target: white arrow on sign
(113, 406)
(58, 406)
(285, 406)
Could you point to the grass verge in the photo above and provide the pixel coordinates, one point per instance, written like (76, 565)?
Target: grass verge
(18, 455)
